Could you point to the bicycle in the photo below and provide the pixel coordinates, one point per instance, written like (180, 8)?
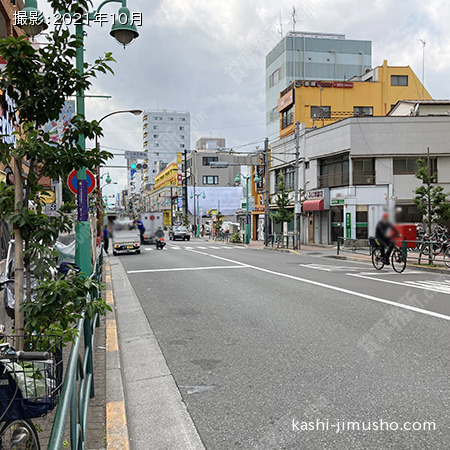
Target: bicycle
(30, 383)
(397, 258)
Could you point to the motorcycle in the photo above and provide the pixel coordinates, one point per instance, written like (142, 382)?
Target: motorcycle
(160, 244)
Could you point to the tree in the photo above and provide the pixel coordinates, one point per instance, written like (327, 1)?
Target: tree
(283, 214)
(38, 82)
(430, 199)
(218, 222)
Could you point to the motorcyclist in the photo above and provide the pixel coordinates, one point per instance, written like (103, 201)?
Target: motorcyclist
(383, 235)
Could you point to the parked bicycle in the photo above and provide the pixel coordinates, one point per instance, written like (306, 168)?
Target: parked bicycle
(30, 383)
(397, 257)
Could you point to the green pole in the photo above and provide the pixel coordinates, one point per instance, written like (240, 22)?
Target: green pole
(197, 228)
(82, 230)
(247, 228)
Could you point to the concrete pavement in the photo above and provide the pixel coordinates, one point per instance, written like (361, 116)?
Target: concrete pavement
(258, 341)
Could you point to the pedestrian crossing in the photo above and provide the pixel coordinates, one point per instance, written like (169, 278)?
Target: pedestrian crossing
(192, 247)
(442, 286)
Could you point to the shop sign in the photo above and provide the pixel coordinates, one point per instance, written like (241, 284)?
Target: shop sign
(348, 225)
(286, 100)
(315, 195)
(337, 201)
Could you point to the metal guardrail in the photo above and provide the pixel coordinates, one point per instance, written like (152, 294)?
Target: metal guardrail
(287, 241)
(78, 385)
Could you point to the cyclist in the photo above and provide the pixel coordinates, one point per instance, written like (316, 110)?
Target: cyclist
(383, 235)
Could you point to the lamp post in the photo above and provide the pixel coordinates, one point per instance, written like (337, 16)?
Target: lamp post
(124, 30)
(247, 179)
(136, 112)
(197, 218)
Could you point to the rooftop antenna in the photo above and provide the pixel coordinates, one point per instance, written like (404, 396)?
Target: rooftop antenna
(424, 43)
(294, 18)
(280, 30)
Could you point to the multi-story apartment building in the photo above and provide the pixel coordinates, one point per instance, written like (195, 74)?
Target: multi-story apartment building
(354, 170)
(318, 103)
(165, 133)
(311, 56)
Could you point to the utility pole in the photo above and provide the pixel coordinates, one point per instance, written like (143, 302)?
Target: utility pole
(297, 154)
(266, 192)
(185, 184)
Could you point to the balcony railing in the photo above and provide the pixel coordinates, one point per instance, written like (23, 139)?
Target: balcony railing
(366, 177)
(333, 180)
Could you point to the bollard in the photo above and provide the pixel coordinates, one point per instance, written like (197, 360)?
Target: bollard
(338, 245)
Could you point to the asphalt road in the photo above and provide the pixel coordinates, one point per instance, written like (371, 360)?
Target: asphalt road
(263, 344)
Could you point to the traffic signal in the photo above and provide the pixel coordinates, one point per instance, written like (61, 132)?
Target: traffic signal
(132, 173)
(145, 166)
(133, 166)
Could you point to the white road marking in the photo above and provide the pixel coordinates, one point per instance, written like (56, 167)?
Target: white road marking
(148, 249)
(389, 272)
(181, 269)
(423, 285)
(336, 288)
(328, 268)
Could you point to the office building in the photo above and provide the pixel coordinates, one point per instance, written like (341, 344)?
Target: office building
(165, 133)
(311, 56)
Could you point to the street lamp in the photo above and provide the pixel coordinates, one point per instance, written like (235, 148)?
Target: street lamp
(197, 228)
(256, 179)
(136, 112)
(124, 31)
(34, 23)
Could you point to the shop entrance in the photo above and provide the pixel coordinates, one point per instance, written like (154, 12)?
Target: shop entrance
(337, 222)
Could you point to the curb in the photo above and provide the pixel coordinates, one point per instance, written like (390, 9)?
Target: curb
(411, 266)
(116, 420)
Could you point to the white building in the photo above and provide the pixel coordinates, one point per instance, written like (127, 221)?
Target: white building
(310, 56)
(353, 170)
(165, 133)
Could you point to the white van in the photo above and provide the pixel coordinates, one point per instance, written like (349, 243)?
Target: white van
(152, 221)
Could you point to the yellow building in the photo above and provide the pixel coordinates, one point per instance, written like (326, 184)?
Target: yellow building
(319, 103)
(167, 177)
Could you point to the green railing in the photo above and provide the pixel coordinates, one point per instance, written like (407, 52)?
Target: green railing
(78, 385)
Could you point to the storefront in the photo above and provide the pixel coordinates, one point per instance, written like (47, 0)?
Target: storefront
(317, 216)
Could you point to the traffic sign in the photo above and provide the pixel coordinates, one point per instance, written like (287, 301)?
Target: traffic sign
(135, 155)
(72, 181)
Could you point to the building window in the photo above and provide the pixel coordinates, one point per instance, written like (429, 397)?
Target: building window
(408, 166)
(156, 154)
(208, 159)
(288, 174)
(182, 146)
(155, 127)
(287, 117)
(155, 136)
(399, 80)
(157, 118)
(273, 115)
(210, 179)
(156, 144)
(334, 171)
(361, 111)
(364, 171)
(182, 119)
(320, 112)
(275, 78)
(181, 128)
(182, 136)
(171, 119)
(407, 214)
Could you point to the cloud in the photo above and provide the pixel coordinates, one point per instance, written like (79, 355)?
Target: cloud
(183, 56)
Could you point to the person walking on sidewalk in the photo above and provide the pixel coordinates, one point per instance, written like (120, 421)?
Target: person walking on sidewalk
(106, 238)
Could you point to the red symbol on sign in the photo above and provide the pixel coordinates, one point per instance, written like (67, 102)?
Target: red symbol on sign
(72, 181)
(152, 217)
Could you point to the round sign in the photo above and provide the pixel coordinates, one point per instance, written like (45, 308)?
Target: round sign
(72, 181)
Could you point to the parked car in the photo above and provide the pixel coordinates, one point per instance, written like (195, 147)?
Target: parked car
(180, 232)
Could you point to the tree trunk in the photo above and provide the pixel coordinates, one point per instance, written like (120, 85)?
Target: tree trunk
(18, 258)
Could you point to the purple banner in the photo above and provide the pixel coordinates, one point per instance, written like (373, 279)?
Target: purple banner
(83, 208)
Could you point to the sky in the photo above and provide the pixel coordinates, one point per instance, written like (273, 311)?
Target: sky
(208, 57)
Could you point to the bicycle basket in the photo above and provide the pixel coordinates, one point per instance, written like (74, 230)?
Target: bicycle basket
(30, 389)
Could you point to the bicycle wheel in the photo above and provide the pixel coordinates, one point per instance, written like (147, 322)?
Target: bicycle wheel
(377, 259)
(19, 434)
(398, 261)
(447, 257)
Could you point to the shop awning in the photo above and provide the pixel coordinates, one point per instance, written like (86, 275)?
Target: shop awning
(313, 205)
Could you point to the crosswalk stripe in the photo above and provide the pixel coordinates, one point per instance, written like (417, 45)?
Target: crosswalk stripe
(148, 249)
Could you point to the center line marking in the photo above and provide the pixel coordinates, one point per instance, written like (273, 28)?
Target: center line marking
(180, 269)
(334, 288)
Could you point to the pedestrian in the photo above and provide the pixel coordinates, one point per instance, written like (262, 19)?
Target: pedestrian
(203, 230)
(106, 239)
(141, 229)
